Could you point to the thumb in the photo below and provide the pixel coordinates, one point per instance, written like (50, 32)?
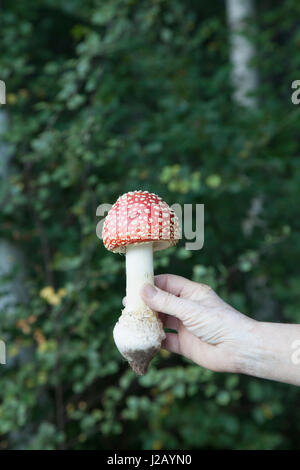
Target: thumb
(165, 302)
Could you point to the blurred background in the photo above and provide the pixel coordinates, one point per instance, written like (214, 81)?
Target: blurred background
(190, 100)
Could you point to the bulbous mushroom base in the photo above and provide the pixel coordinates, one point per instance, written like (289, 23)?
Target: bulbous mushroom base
(138, 337)
(139, 360)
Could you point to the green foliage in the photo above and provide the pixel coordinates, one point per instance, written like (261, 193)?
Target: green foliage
(106, 97)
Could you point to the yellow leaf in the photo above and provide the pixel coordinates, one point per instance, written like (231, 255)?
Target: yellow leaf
(213, 181)
(62, 292)
(164, 353)
(11, 98)
(46, 291)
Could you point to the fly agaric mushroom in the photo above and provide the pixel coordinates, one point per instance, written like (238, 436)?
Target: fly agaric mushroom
(138, 224)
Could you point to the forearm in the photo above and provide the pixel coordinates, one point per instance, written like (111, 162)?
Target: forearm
(272, 353)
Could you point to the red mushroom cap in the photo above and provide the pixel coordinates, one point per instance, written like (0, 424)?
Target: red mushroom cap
(140, 217)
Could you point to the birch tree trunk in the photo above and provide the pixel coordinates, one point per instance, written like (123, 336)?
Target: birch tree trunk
(11, 260)
(245, 80)
(242, 52)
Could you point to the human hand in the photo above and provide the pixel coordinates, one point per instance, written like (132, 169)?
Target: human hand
(209, 331)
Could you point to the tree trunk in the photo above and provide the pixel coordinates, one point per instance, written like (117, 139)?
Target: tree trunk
(242, 52)
(244, 78)
(11, 260)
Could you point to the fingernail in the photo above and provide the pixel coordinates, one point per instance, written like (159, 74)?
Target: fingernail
(149, 291)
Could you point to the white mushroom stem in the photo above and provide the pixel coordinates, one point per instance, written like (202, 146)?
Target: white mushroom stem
(139, 271)
(139, 332)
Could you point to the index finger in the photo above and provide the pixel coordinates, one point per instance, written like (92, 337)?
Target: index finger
(181, 287)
